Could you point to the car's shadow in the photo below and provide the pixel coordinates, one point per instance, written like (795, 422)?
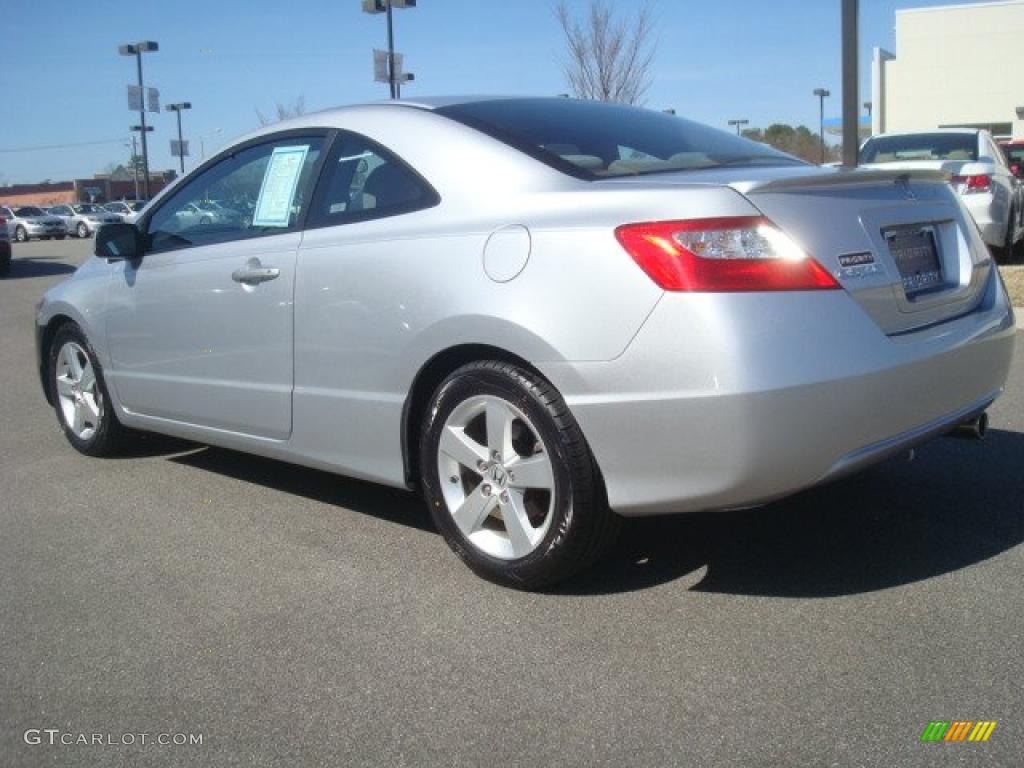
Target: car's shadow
(37, 266)
(959, 503)
(366, 498)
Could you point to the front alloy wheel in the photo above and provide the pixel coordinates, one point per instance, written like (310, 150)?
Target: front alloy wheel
(509, 478)
(80, 396)
(79, 399)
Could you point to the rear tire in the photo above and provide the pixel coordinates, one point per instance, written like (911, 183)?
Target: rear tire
(5, 265)
(80, 396)
(509, 479)
(83, 231)
(21, 235)
(59, 237)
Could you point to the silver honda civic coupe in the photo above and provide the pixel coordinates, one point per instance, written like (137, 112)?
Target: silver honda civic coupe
(543, 314)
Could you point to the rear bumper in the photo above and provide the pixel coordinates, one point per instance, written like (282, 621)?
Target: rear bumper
(730, 400)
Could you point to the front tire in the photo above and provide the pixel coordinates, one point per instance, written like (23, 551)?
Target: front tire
(80, 396)
(83, 230)
(509, 479)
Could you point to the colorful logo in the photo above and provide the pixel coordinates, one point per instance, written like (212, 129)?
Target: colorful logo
(958, 730)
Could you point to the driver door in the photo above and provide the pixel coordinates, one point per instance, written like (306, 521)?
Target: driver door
(200, 328)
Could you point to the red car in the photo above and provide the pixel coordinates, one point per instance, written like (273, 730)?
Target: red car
(1014, 151)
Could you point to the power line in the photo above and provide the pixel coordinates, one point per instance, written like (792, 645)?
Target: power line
(64, 146)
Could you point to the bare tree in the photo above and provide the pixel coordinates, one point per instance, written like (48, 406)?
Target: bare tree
(284, 111)
(608, 59)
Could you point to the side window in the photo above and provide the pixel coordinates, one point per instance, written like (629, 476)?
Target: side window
(361, 180)
(259, 190)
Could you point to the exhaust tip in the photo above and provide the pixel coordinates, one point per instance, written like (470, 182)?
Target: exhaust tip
(973, 429)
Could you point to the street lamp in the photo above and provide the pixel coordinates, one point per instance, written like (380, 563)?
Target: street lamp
(822, 94)
(136, 50)
(385, 6)
(177, 108)
(135, 164)
(738, 123)
(202, 141)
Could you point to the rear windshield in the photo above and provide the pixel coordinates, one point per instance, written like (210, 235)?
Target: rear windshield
(921, 146)
(592, 140)
(89, 208)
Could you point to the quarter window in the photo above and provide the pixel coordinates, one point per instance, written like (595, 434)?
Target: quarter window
(257, 191)
(361, 181)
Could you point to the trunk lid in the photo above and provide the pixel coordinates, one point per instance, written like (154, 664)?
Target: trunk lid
(898, 241)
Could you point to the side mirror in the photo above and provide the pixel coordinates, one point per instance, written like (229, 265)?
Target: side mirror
(119, 242)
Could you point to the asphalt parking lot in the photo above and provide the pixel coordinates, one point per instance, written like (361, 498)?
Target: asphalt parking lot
(294, 618)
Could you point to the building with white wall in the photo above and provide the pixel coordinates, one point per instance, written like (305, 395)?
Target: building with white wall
(954, 66)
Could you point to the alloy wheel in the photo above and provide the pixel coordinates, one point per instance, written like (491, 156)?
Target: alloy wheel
(80, 400)
(496, 477)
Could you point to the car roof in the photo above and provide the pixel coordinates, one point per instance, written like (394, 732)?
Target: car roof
(335, 116)
(962, 131)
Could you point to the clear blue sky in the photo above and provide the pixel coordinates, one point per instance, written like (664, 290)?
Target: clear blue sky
(65, 83)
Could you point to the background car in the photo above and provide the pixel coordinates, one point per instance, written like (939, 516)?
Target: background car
(979, 170)
(1014, 153)
(128, 210)
(5, 248)
(206, 212)
(83, 219)
(28, 221)
(542, 313)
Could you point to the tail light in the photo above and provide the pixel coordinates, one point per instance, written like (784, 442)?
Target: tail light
(738, 253)
(972, 185)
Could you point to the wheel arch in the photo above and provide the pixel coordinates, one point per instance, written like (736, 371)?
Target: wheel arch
(46, 334)
(426, 381)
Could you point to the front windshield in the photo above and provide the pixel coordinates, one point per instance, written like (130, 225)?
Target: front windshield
(29, 210)
(207, 205)
(594, 140)
(920, 146)
(88, 208)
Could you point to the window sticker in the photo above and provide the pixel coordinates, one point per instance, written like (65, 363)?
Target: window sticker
(274, 205)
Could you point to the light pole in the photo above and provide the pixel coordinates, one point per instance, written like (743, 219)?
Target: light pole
(135, 165)
(822, 94)
(202, 142)
(738, 123)
(177, 108)
(386, 6)
(136, 50)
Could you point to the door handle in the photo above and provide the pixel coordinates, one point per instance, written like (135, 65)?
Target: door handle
(254, 274)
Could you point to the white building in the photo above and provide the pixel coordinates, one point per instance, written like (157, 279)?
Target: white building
(954, 66)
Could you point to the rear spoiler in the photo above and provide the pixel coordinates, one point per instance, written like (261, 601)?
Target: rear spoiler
(840, 177)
